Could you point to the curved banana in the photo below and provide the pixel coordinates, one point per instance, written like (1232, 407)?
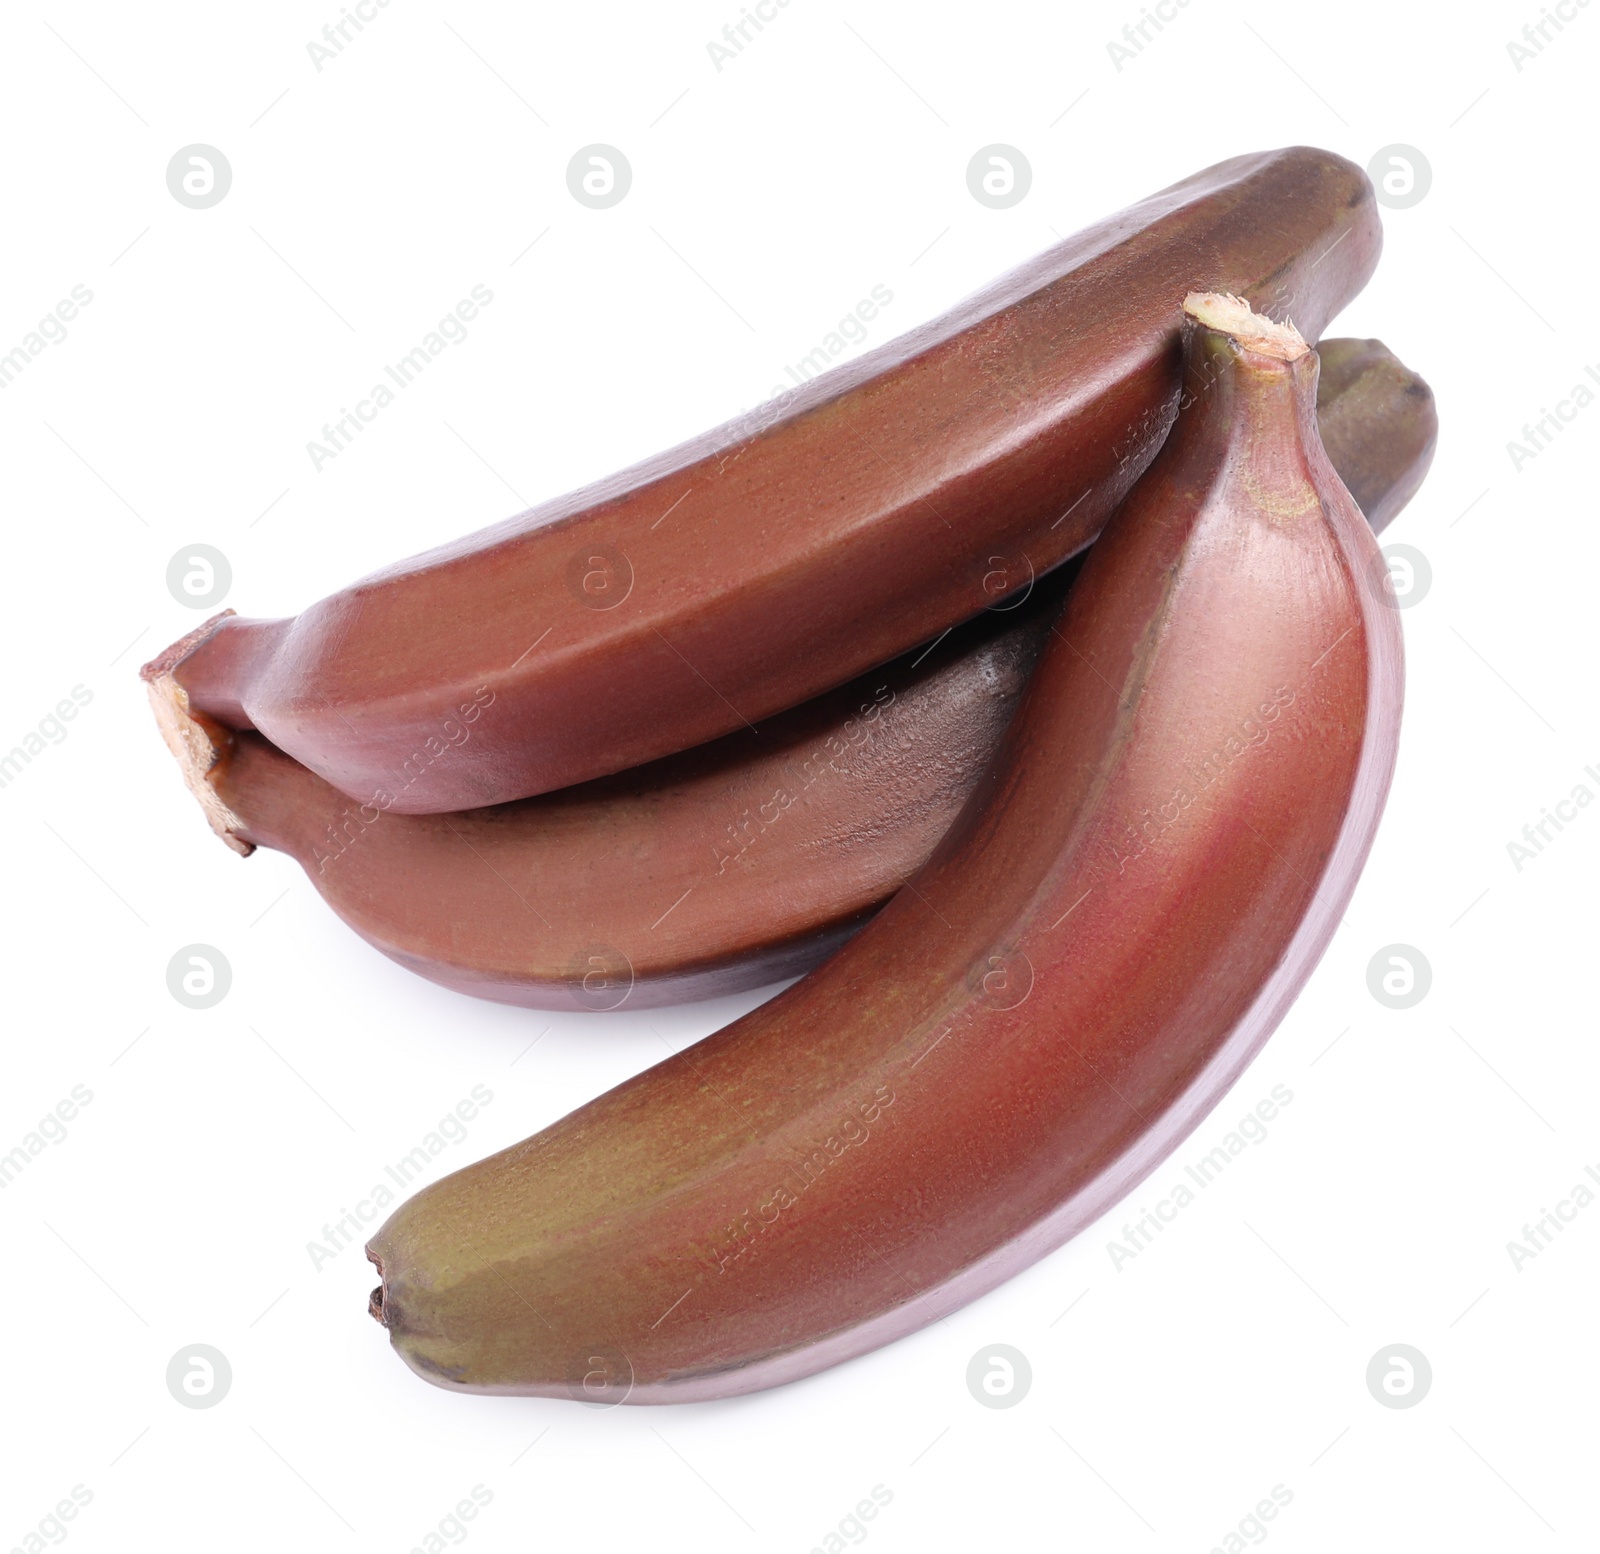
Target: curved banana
(1138, 887)
(784, 553)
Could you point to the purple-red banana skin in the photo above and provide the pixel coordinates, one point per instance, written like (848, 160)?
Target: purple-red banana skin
(784, 553)
(1138, 887)
(738, 863)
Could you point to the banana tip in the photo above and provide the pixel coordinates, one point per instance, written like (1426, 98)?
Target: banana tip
(375, 1305)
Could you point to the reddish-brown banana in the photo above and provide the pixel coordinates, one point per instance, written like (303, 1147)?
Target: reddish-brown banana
(749, 859)
(786, 552)
(1138, 887)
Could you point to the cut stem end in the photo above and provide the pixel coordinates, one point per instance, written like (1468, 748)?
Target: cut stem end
(1234, 317)
(198, 746)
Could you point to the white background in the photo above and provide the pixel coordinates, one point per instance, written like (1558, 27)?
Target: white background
(768, 198)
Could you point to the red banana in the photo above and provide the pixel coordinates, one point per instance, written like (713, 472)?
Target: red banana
(1136, 890)
(786, 552)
